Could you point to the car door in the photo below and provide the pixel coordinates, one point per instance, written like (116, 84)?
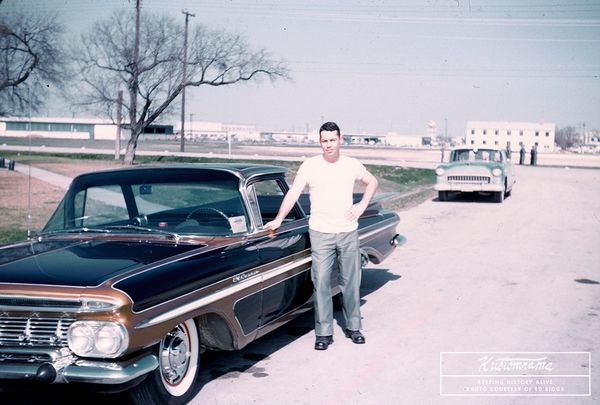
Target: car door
(286, 253)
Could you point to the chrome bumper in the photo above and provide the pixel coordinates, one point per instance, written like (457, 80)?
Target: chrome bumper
(61, 368)
(468, 188)
(398, 240)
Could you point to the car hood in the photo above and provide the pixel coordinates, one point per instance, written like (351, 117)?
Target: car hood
(79, 263)
(476, 164)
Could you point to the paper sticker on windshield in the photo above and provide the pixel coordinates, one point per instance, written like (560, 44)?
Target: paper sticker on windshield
(238, 224)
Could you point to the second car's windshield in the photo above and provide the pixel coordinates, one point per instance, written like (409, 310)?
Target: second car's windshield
(471, 155)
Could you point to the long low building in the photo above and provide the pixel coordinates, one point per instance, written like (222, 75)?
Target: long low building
(63, 128)
(71, 128)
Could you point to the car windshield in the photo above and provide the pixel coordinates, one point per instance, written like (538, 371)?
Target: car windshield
(472, 155)
(166, 206)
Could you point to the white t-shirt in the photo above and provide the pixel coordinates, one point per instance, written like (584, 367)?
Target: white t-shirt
(331, 186)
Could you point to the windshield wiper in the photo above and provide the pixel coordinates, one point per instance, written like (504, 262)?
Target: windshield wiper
(141, 229)
(75, 230)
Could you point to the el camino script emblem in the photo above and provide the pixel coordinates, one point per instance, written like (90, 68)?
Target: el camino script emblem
(244, 276)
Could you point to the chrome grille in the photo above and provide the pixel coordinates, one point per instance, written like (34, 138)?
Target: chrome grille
(8, 301)
(469, 179)
(34, 331)
(37, 358)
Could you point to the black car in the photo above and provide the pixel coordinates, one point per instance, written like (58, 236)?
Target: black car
(140, 269)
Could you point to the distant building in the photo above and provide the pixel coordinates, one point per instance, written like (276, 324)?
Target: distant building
(289, 137)
(217, 131)
(62, 128)
(403, 141)
(591, 142)
(513, 134)
(363, 139)
(72, 128)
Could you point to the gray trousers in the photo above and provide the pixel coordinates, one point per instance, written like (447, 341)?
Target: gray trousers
(325, 248)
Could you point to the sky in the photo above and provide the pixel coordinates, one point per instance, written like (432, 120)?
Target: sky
(390, 66)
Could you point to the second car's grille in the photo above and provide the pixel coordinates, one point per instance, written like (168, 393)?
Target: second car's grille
(34, 331)
(469, 179)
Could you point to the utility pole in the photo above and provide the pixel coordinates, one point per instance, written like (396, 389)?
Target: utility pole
(191, 124)
(445, 138)
(119, 118)
(184, 79)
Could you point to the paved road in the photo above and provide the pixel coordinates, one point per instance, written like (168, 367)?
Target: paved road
(474, 276)
(420, 158)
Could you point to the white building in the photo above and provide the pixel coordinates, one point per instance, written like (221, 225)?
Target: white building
(75, 128)
(217, 131)
(289, 137)
(60, 128)
(406, 141)
(514, 134)
(591, 142)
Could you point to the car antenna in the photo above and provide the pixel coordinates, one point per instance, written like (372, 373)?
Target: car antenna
(29, 172)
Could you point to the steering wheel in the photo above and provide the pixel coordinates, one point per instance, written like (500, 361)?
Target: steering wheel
(198, 213)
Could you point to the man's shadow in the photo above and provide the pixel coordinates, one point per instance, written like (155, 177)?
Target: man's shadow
(230, 364)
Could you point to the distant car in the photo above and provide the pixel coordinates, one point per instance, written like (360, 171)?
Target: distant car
(141, 269)
(476, 170)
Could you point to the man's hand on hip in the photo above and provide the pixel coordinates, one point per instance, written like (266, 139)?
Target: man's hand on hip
(355, 212)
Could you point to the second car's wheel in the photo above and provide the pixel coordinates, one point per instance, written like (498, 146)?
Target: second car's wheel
(499, 196)
(176, 380)
(364, 260)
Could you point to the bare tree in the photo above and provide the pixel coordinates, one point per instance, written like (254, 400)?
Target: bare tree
(106, 63)
(32, 60)
(567, 137)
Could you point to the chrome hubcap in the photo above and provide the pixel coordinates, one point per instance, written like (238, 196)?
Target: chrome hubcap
(174, 355)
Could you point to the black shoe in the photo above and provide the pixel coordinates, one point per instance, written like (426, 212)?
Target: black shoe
(355, 335)
(323, 342)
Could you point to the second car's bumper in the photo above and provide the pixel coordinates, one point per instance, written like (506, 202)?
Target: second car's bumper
(468, 188)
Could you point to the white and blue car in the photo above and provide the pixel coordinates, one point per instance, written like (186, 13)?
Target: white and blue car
(476, 170)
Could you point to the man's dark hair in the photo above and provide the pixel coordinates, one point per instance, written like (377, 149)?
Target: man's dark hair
(329, 126)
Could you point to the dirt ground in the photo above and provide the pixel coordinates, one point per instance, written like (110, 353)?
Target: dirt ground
(20, 195)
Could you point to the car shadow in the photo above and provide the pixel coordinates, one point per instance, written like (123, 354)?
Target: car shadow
(476, 197)
(215, 365)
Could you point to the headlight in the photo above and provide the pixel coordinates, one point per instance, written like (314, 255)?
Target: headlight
(97, 339)
(439, 171)
(496, 172)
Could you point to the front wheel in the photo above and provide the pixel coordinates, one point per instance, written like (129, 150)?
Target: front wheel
(176, 380)
(499, 196)
(443, 195)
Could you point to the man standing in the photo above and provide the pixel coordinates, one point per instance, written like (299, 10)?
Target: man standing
(522, 155)
(533, 161)
(333, 230)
